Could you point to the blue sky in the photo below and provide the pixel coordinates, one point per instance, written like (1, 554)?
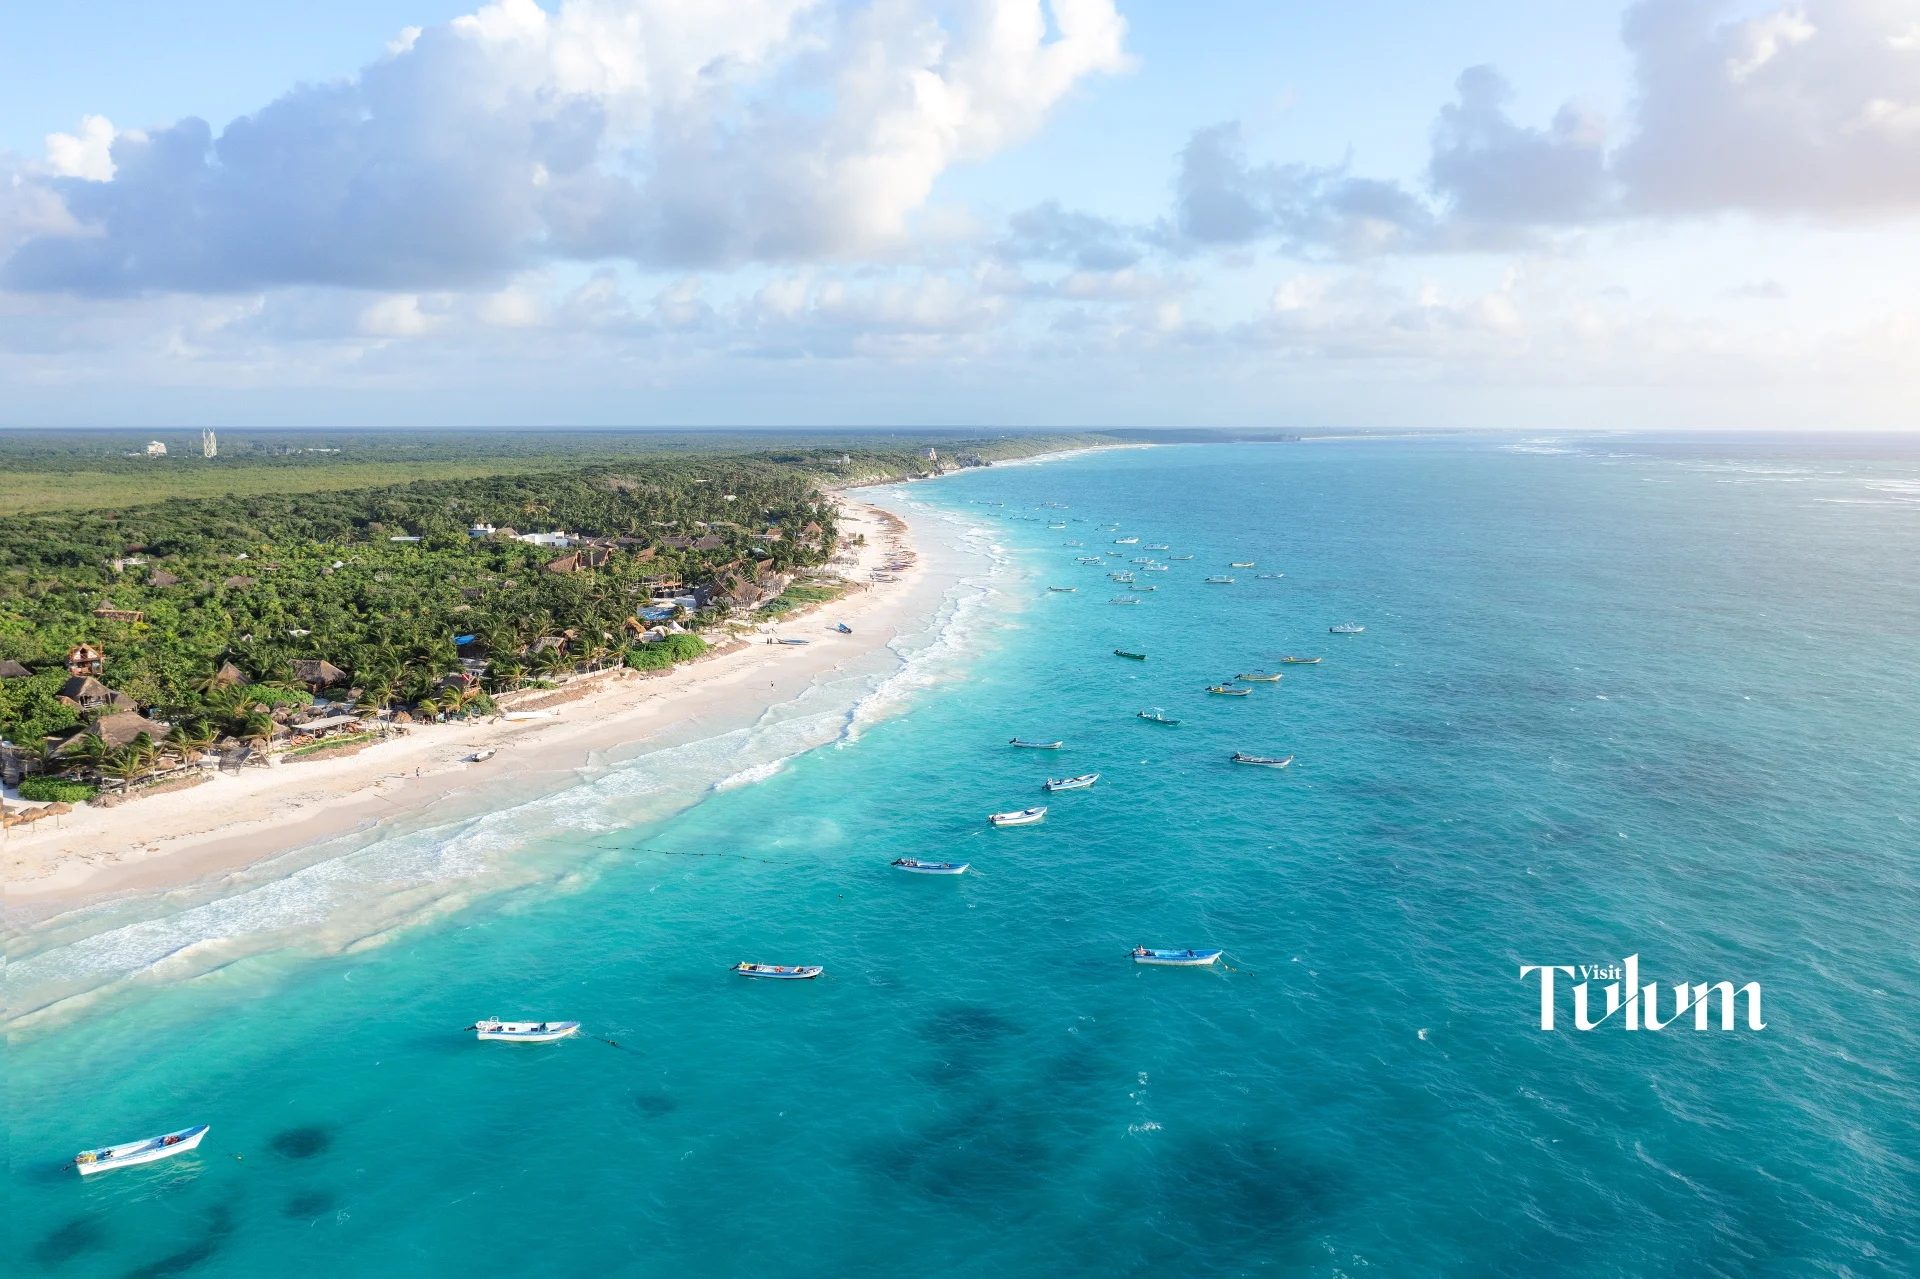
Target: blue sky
(950, 212)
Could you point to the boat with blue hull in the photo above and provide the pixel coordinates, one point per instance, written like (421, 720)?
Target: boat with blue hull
(1174, 958)
(931, 868)
(779, 972)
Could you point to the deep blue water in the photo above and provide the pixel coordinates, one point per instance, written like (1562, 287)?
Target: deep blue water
(1653, 698)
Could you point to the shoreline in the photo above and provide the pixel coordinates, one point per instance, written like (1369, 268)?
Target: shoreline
(162, 843)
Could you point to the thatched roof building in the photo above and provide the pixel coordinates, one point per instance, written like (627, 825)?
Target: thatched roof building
(318, 672)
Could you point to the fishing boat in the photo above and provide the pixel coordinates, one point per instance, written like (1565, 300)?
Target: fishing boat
(1155, 568)
(1258, 677)
(1090, 559)
(1174, 958)
(1126, 541)
(1261, 761)
(1221, 581)
(1037, 746)
(482, 756)
(780, 972)
(1143, 560)
(1123, 577)
(1073, 541)
(1158, 546)
(1124, 599)
(1241, 564)
(1300, 661)
(1222, 690)
(1269, 577)
(784, 640)
(1345, 628)
(1157, 716)
(931, 868)
(524, 1032)
(1179, 557)
(1138, 657)
(843, 628)
(1064, 589)
(129, 1153)
(1021, 817)
(1072, 783)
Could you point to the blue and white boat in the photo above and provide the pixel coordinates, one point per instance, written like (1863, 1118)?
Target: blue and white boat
(1262, 761)
(1068, 590)
(1345, 628)
(524, 1032)
(780, 972)
(1036, 746)
(127, 1154)
(1022, 817)
(931, 868)
(789, 641)
(843, 628)
(1174, 958)
(1072, 783)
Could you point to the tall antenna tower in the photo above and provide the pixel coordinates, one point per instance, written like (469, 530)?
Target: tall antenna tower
(209, 447)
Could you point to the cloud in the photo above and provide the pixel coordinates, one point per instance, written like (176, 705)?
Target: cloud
(1220, 199)
(674, 135)
(86, 154)
(1048, 232)
(1492, 172)
(1811, 108)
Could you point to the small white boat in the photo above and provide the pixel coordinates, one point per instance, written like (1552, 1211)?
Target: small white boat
(524, 1032)
(1089, 559)
(1300, 661)
(482, 756)
(1124, 599)
(1036, 746)
(1222, 690)
(1158, 546)
(1221, 581)
(1269, 577)
(1155, 568)
(1157, 716)
(127, 1154)
(1146, 560)
(1175, 958)
(780, 972)
(1345, 628)
(1179, 557)
(1065, 590)
(1024, 817)
(1261, 761)
(1241, 564)
(1073, 783)
(1126, 541)
(931, 868)
(519, 717)
(1259, 677)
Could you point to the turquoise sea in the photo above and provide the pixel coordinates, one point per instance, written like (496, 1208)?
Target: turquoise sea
(1614, 697)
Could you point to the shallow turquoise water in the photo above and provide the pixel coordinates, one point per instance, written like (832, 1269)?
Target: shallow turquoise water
(1611, 699)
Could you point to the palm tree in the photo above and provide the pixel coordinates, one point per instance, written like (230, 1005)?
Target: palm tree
(125, 765)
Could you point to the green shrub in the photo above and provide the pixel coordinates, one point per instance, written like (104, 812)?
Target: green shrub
(668, 652)
(56, 790)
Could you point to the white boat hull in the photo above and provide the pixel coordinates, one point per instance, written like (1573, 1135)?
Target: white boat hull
(1026, 818)
(133, 1153)
(526, 1032)
(802, 973)
(1072, 783)
(932, 868)
(1200, 959)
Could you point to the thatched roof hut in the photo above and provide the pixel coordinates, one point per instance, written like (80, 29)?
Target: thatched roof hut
(318, 672)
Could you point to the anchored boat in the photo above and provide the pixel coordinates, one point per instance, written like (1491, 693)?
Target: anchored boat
(1072, 783)
(1221, 581)
(1179, 557)
(1241, 564)
(1300, 661)
(1124, 599)
(1262, 761)
(130, 1153)
(1023, 817)
(1268, 577)
(1065, 589)
(1037, 746)
(1126, 541)
(1174, 958)
(1345, 628)
(1158, 546)
(524, 1032)
(1138, 657)
(1157, 716)
(780, 972)
(1258, 677)
(931, 868)
(1222, 690)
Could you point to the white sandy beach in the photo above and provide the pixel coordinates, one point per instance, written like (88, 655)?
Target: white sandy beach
(165, 841)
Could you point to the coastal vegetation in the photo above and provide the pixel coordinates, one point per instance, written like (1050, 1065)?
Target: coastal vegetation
(138, 638)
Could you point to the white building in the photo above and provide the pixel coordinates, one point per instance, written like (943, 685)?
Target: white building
(156, 449)
(555, 539)
(480, 530)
